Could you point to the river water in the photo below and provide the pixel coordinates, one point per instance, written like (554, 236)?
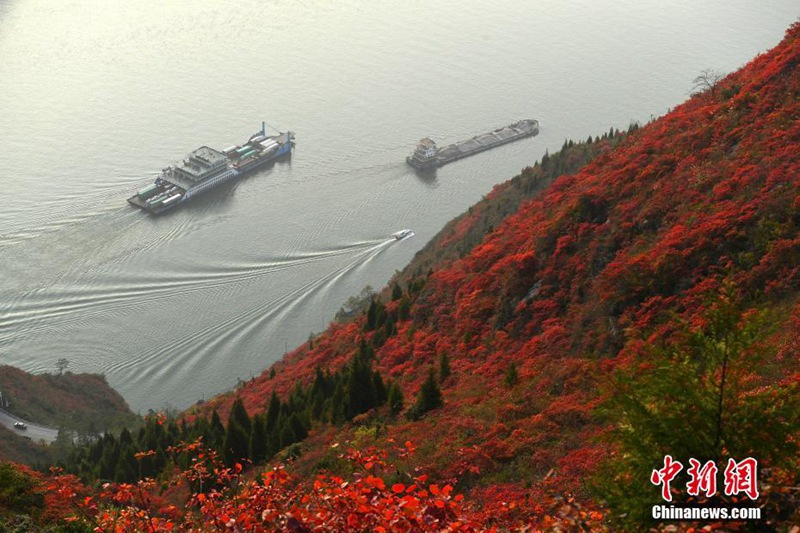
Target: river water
(95, 98)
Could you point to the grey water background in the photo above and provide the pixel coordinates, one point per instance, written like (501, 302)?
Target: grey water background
(97, 97)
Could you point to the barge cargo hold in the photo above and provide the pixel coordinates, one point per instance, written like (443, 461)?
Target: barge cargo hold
(206, 168)
(427, 155)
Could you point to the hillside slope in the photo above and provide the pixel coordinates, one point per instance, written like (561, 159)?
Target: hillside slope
(79, 402)
(587, 275)
(646, 305)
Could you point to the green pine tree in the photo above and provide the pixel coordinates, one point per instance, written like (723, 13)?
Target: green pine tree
(381, 394)
(338, 403)
(258, 440)
(273, 412)
(512, 376)
(237, 443)
(444, 367)
(429, 397)
(216, 437)
(397, 292)
(360, 387)
(238, 433)
(287, 435)
(395, 398)
(240, 416)
(298, 427)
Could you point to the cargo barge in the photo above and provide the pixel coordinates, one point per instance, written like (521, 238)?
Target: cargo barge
(427, 155)
(206, 168)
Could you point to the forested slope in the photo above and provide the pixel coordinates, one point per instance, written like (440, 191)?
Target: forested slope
(605, 271)
(536, 367)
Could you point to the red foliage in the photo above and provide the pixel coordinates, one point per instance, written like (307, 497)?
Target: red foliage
(274, 501)
(574, 284)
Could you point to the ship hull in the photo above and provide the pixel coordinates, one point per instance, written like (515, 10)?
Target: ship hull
(171, 188)
(476, 145)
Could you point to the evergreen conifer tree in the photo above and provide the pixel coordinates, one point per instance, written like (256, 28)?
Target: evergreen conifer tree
(216, 438)
(444, 367)
(395, 398)
(512, 376)
(124, 471)
(397, 292)
(298, 428)
(237, 443)
(238, 433)
(273, 412)
(317, 406)
(338, 404)
(372, 311)
(404, 310)
(381, 395)
(239, 414)
(258, 440)
(287, 435)
(429, 397)
(360, 387)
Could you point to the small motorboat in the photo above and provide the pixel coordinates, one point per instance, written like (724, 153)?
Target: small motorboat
(402, 234)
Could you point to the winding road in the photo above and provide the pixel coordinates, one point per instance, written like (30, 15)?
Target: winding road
(35, 432)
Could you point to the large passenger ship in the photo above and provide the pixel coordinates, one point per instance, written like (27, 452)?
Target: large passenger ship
(206, 168)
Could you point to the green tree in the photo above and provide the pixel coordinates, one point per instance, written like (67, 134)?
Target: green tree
(360, 387)
(237, 433)
(429, 397)
(237, 443)
(338, 403)
(259, 446)
(444, 367)
(512, 375)
(372, 313)
(273, 412)
(125, 471)
(318, 406)
(298, 427)
(216, 437)
(397, 292)
(395, 398)
(376, 314)
(381, 395)
(710, 395)
(404, 309)
(240, 416)
(321, 384)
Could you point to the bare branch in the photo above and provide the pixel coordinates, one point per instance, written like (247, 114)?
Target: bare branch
(708, 80)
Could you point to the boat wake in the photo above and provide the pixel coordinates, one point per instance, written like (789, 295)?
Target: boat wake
(195, 357)
(58, 307)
